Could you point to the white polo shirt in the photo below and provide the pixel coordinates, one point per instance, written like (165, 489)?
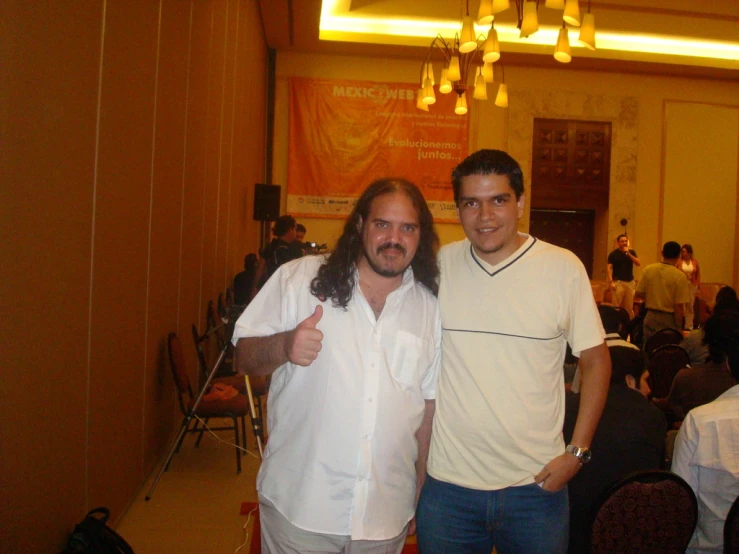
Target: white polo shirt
(341, 451)
(500, 407)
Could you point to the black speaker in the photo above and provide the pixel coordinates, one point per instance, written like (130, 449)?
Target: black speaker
(266, 202)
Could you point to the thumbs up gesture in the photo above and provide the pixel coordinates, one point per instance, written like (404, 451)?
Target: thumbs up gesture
(304, 342)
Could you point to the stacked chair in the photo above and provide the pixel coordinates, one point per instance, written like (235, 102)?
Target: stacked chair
(218, 332)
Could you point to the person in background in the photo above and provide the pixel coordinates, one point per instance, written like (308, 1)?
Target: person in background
(689, 265)
(693, 342)
(282, 249)
(621, 264)
(300, 232)
(630, 437)
(510, 304)
(611, 324)
(664, 289)
(695, 386)
(705, 452)
(354, 342)
(244, 280)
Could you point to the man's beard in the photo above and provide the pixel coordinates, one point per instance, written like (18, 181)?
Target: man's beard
(385, 272)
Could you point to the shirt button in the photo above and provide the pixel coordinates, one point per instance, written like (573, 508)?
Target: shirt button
(360, 479)
(366, 437)
(369, 400)
(372, 365)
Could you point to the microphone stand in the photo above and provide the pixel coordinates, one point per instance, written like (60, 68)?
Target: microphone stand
(256, 422)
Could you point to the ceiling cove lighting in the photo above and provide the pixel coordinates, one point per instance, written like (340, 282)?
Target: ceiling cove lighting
(338, 23)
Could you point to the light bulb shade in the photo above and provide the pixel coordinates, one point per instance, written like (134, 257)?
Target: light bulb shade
(530, 23)
(453, 74)
(571, 14)
(445, 85)
(487, 72)
(428, 72)
(555, 4)
(420, 104)
(485, 13)
(467, 40)
(481, 91)
(500, 5)
(491, 52)
(428, 92)
(587, 31)
(562, 50)
(501, 99)
(461, 107)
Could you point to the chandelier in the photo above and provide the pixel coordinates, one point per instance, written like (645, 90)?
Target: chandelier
(470, 54)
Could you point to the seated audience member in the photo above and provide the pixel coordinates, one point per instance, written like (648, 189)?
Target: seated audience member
(693, 342)
(695, 386)
(611, 323)
(706, 454)
(300, 231)
(629, 437)
(299, 241)
(282, 249)
(244, 280)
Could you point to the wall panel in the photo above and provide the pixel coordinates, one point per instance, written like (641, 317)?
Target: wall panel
(160, 406)
(48, 101)
(121, 226)
(104, 241)
(700, 184)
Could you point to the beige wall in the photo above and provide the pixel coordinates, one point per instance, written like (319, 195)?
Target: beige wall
(700, 184)
(633, 102)
(132, 132)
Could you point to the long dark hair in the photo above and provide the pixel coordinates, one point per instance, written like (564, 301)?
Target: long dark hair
(335, 278)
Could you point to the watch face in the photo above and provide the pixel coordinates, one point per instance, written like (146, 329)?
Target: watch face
(585, 455)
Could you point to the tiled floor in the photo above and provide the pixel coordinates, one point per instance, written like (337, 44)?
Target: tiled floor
(194, 508)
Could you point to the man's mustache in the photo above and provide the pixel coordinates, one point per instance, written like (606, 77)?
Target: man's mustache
(391, 245)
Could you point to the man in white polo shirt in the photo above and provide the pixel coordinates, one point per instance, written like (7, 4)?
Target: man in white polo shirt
(354, 342)
(510, 303)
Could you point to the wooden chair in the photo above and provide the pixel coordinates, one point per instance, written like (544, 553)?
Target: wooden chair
(259, 385)
(235, 408)
(663, 364)
(651, 511)
(731, 529)
(662, 337)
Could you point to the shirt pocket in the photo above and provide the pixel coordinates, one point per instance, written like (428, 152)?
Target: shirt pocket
(408, 358)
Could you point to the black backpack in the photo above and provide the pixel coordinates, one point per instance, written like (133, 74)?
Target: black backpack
(93, 536)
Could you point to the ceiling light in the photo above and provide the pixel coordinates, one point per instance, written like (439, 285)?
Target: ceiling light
(485, 14)
(571, 14)
(461, 107)
(587, 30)
(562, 51)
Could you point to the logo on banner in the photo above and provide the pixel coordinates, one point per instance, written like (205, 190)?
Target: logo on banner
(379, 93)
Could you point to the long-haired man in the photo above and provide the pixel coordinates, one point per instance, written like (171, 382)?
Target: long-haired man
(353, 342)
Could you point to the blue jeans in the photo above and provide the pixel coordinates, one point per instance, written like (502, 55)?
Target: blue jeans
(516, 520)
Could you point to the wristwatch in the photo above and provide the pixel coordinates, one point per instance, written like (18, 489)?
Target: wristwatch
(581, 453)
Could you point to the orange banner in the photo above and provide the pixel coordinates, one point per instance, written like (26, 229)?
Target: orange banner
(345, 134)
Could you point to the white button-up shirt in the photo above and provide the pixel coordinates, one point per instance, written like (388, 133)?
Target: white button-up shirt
(707, 456)
(341, 451)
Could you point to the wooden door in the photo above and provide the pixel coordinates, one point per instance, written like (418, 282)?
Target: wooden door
(570, 229)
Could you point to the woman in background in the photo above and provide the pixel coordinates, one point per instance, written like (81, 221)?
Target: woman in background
(689, 265)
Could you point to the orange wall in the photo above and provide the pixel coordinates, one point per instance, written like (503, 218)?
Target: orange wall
(132, 131)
